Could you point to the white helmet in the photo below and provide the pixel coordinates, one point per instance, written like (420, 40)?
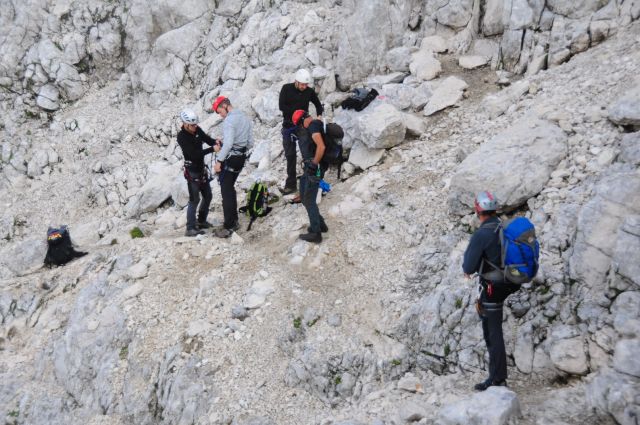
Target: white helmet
(303, 76)
(485, 201)
(188, 116)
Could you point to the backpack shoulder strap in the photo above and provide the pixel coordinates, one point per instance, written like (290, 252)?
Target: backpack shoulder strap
(497, 227)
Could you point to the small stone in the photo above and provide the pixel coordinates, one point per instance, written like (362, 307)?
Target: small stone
(239, 312)
(472, 62)
(132, 291)
(334, 320)
(410, 384)
(411, 412)
(137, 271)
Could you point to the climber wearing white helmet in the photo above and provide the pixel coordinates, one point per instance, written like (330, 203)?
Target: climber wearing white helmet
(190, 138)
(294, 96)
(484, 248)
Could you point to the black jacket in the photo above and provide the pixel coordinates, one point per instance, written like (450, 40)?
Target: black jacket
(292, 99)
(191, 145)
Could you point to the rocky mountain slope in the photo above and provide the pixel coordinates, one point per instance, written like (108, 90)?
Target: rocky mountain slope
(375, 325)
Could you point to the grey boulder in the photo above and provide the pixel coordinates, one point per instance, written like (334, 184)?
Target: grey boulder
(515, 165)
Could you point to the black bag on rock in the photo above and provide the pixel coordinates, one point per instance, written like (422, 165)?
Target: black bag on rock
(59, 247)
(360, 99)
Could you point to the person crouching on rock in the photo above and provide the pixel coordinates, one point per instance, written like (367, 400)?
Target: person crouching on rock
(311, 144)
(190, 138)
(237, 139)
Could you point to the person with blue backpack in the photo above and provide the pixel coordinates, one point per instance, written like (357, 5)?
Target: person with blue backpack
(504, 255)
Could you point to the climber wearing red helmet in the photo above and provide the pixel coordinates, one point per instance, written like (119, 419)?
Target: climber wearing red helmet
(237, 139)
(309, 132)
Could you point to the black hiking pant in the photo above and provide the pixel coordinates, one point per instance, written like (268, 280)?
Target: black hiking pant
(309, 185)
(227, 178)
(491, 317)
(289, 145)
(197, 185)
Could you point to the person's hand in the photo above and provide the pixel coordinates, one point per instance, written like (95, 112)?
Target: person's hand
(217, 167)
(216, 148)
(467, 276)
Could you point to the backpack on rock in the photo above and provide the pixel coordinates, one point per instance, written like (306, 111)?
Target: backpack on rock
(360, 99)
(257, 202)
(59, 247)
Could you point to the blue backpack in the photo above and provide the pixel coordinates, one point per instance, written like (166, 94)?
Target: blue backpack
(520, 251)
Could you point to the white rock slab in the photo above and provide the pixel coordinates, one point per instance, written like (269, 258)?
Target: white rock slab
(448, 93)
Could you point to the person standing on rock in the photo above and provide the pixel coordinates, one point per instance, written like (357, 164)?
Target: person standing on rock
(311, 143)
(484, 247)
(237, 139)
(295, 96)
(190, 138)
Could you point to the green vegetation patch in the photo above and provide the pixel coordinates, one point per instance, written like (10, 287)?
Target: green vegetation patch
(136, 233)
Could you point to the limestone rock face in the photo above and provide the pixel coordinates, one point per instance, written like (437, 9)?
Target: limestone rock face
(376, 324)
(363, 157)
(80, 355)
(575, 9)
(425, 66)
(23, 257)
(48, 98)
(626, 111)
(523, 156)
(614, 393)
(616, 197)
(630, 148)
(362, 51)
(504, 403)
(379, 126)
(163, 181)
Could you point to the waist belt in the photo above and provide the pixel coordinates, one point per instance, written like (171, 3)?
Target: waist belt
(238, 152)
(188, 165)
(491, 306)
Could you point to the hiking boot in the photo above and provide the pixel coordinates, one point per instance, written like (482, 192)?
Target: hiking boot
(311, 237)
(223, 233)
(193, 232)
(288, 190)
(235, 227)
(323, 228)
(203, 225)
(489, 383)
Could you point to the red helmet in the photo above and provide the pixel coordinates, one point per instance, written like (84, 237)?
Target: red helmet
(297, 115)
(217, 103)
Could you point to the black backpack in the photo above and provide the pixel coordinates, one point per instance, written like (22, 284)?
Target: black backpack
(333, 151)
(333, 135)
(59, 247)
(257, 202)
(360, 99)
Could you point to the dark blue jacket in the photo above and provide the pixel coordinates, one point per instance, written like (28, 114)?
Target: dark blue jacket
(484, 244)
